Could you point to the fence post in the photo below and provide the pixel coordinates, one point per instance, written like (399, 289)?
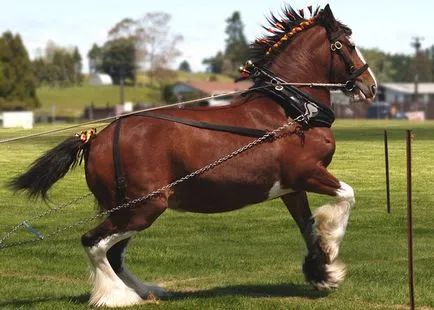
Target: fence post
(410, 222)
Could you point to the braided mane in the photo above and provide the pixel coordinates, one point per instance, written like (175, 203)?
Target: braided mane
(282, 30)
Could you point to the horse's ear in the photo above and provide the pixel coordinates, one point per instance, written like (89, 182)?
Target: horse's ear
(328, 12)
(328, 19)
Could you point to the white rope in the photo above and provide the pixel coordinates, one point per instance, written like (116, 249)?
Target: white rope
(178, 104)
(102, 120)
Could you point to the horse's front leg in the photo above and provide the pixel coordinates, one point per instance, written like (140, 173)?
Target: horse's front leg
(298, 206)
(330, 222)
(316, 268)
(323, 231)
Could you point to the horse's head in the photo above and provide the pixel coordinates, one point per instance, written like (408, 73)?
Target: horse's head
(347, 62)
(315, 50)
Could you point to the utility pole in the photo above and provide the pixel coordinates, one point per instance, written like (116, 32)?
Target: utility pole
(121, 85)
(417, 44)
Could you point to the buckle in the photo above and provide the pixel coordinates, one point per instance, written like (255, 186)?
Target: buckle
(336, 46)
(350, 85)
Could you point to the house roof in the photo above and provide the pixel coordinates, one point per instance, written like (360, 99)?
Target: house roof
(408, 88)
(213, 87)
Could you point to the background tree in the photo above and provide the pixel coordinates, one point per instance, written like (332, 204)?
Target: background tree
(119, 59)
(236, 51)
(78, 66)
(380, 63)
(421, 65)
(184, 66)
(401, 65)
(214, 64)
(156, 46)
(94, 56)
(17, 82)
(59, 66)
(430, 54)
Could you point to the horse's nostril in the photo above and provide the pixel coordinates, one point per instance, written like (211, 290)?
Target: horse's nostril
(374, 89)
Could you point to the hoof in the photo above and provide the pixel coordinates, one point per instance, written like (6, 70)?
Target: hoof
(323, 276)
(119, 294)
(120, 298)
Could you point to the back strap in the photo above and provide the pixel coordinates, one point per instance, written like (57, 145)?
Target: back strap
(249, 132)
(119, 176)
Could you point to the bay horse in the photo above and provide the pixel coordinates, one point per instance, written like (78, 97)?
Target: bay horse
(138, 154)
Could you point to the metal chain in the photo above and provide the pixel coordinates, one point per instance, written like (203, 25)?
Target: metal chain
(37, 217)
(200, 171)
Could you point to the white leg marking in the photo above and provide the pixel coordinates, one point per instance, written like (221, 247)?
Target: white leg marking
(345, 193)
(276, 191)
(109, 290)
(331, 221)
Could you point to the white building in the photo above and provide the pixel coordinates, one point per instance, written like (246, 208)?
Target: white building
(15, 119)
(404, 92)
(98, 79)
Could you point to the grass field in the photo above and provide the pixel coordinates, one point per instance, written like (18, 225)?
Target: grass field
(71, 101)
(247, 259)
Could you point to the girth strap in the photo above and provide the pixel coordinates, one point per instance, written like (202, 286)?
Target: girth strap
(249, 132)
(119, 176)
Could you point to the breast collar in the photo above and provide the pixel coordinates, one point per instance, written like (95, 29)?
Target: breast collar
(301, 107)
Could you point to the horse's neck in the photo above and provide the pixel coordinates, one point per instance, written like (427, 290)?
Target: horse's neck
(305, 64)
(321, 94)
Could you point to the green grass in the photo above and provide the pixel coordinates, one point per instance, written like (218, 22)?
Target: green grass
(247, 259)
(185, 76)
(71, 101)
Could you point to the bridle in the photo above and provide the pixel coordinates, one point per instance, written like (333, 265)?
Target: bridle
(250, 70)
(297, 104)
(336, 48)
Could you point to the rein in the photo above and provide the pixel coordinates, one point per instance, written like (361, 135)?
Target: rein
(249, 132)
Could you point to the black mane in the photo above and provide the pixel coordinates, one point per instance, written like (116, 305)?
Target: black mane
(282, 30)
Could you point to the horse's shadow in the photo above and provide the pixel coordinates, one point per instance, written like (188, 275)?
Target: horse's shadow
(251, 290)
(32, 302)
(245, 290)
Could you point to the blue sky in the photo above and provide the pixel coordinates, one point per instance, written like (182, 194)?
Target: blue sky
(386, 24)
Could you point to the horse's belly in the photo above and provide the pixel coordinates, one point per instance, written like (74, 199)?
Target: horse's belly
(223, 198)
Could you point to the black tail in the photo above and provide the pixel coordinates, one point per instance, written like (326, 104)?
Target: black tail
(50, 167)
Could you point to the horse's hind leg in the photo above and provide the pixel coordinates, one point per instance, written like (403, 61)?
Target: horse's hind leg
(114, 286)
(115, 256)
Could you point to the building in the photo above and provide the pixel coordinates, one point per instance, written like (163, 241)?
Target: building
(13, 119)
(400, 97)
(99, 79)
(404, 92)
(200, 89)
